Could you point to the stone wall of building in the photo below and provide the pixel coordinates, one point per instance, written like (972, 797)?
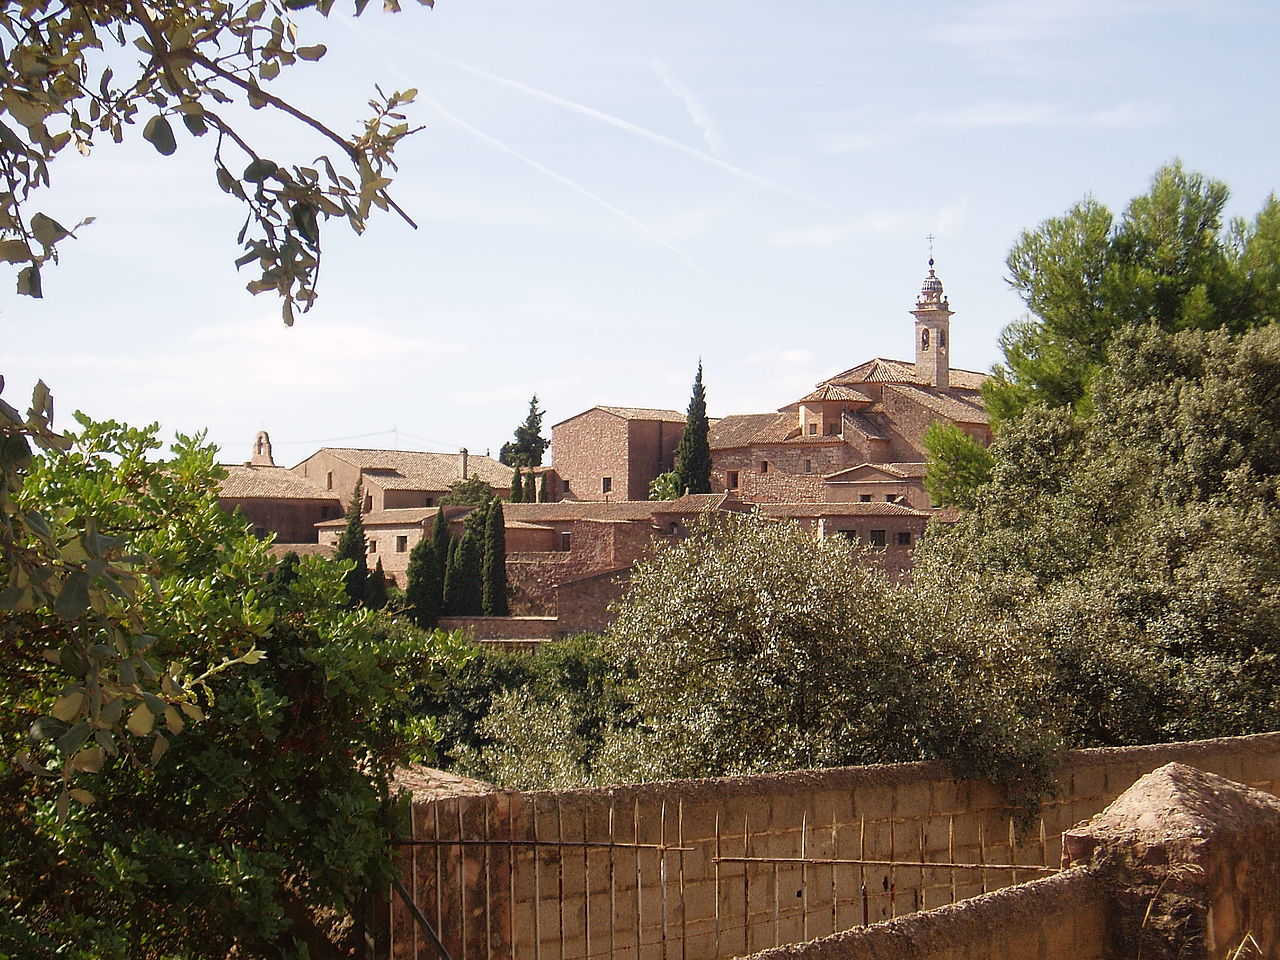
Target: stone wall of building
(691, 888)
(502, 628)
(294, 521)
(328, 473)
(588, 448)
(652, 451)
(583, 605)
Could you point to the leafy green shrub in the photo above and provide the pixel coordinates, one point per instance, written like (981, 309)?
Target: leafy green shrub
(227, 825)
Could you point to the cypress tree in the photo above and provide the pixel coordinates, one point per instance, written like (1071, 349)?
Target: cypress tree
(353, 546)
(494, 600)
(452, 605)
(517, 487)
(530, 491)
(425, 587)
(376, 591)
(693, 455)
(542, 488)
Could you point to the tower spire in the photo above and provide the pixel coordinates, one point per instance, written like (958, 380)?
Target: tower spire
(933, 328)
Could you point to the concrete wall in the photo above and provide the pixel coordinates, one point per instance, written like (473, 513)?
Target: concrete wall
(574, 902)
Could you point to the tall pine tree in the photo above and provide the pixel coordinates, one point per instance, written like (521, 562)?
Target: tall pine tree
(517, 487)
(542, 487)
(693, 455)
(530, 491)
(375, 597)
(353, 546)
(424, 588)
(494, 599)
(528, 446)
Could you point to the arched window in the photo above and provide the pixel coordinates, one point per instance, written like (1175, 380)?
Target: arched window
(924, 339)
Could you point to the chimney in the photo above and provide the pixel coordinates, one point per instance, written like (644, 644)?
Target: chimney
(464, 463)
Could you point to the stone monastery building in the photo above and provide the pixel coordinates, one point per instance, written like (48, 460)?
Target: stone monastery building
(847, 459)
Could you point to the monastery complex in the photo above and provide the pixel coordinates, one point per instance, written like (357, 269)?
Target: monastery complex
(847, 459)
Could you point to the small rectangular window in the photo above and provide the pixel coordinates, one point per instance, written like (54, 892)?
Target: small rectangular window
(431, 502)
(813, 429)
(833, 429)
(606, 484)
(904, 538)
(565, 539)
(808, 466)
(764, 466)
(373, 546)
(877, 538)
(402, 544)
(864, 498)
(850, 535)
(732, 479)
(328, 480)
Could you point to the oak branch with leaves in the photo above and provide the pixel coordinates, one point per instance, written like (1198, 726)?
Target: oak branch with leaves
(197, 58)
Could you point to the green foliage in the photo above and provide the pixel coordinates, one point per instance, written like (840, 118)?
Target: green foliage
(424, 588)
(752, 647)
(1137, 546)
(517, 487)
(530, 490)
(527, 448)
(74, 76)
(472, 492)
(542, 488)
(958, 465)
(376, 588)
(569, 691)
(1085, 276)
(353, 548)
(239, 804)
(452, 604)
(494, 562)
(665, 486)
(76, 596)
(693, 454)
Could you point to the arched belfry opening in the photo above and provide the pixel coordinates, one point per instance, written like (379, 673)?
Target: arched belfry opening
(262, 451)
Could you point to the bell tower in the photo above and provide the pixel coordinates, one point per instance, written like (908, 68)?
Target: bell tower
(262, 451)
(933, 332)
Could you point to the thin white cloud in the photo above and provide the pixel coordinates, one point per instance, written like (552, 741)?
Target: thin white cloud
(825, 235)
(637, 225)
(633, 128)
(996, 115)
(697, 110)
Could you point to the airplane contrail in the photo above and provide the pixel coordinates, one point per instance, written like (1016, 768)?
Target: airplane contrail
(632, 128)
(633, 222)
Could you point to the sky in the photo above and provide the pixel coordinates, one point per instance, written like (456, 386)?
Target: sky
(607, 193)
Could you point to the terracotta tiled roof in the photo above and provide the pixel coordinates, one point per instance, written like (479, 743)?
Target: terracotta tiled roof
(740, 429)
(832, 391)
(867, 426)
(882, 370)
(396, 516)
(963, 407)
(301, 549)
(419, 470)
(581, 510)
(903, 470)
(701, 503)
(275, 483)
(877, 508)
(632, 413)
(785, 427)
